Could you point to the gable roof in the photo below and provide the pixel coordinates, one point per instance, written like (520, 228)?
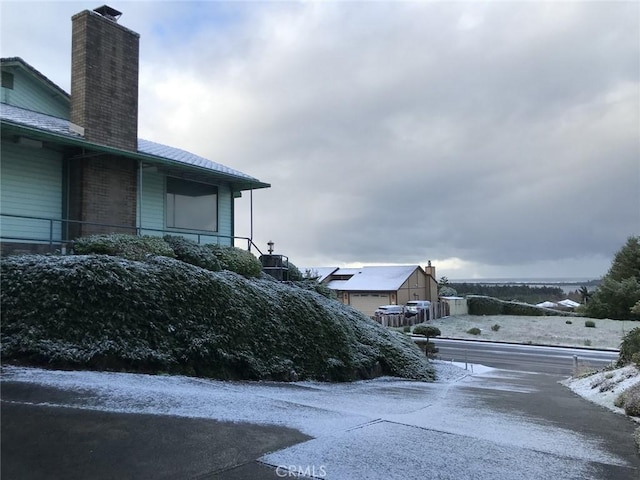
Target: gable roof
(170, 160)
(173, 161)
(378, 278)
(18, 62)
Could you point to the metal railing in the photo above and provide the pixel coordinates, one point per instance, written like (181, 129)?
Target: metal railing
(53, 232)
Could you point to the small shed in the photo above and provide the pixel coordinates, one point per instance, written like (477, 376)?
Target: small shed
(454, 305)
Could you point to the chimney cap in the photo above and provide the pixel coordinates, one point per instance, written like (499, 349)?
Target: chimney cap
(108, 12)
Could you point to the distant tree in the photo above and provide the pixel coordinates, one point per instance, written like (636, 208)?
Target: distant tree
(310, 274)
(626, 263)
(619, 292)
(584, 294)
(447, 291)
(443, 281)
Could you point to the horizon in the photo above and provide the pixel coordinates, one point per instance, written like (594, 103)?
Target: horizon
(497, 139)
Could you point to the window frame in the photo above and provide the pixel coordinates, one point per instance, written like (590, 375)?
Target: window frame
(171, 225)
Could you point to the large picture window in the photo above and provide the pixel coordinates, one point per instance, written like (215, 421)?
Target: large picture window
(192, 205)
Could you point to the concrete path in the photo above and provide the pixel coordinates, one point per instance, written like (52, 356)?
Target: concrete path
(492, 425)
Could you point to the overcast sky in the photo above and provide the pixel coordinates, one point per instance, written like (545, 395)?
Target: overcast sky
(496, 139)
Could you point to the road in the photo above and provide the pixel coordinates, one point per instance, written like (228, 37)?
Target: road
(524, 358)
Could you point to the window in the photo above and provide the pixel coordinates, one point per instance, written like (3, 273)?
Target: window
(7, 80)
(192, 205)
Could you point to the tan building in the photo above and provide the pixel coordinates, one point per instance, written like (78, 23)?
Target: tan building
(367, 288)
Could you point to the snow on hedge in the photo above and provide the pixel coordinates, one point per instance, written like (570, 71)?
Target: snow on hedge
(164, 315)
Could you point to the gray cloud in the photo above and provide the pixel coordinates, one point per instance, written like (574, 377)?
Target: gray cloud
(501, 134)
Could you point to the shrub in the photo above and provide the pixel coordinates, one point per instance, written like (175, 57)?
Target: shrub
(295, 275)
(635, 358)
(495, 327)
(164, 315)
(587, 343)
(193, 253)
(590, 324)
(484, 305)
(406, 329)
(122, 245)
(480, 305)
(236, 260)
(629, 346)
(474, 331)
(430, 349)
(631, 400)
(428, 331)
(568, 322)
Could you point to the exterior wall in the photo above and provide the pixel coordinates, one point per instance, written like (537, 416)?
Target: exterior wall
(104, 80)
(28, 93)
(225, 211)
(368, 302)
(414, 288)
(457, 306)
(30, 185)
(432, 283)
(102, 190)
(153, 217)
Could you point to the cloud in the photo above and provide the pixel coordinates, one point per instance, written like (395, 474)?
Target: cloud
(503, 135)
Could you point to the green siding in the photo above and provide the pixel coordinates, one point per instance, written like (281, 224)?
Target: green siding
(225, 211)
(30, 185)
(31, 94)
(152, 204)
(152, 217)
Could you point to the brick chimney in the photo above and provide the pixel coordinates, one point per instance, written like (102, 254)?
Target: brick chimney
(102, 189)
(104, 78)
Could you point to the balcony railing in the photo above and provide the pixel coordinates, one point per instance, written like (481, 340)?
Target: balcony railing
(50, 233)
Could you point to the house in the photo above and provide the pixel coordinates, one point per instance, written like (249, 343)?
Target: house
(73, 165)
(566, 304)
(367, 288)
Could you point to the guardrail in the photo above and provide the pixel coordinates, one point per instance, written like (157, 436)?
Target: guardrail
(51, 232)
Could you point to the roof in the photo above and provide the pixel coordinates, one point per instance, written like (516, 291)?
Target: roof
(547, 304)
(174, 160)
(20, 63)
(321, 272)
(568, 303)
(379, 278)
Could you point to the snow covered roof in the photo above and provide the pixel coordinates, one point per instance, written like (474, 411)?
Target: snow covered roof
(39, 124)
(379, 278)
(568, 303)
(547, 304)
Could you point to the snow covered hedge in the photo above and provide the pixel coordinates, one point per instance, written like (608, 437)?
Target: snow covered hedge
(164, 315)
(480, 305)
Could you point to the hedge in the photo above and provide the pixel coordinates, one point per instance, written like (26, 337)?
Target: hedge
(164, 315)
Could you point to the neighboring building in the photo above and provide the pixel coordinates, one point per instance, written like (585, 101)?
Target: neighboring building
(367, 288)
(566, 304)
(453, 306)
(73, 165)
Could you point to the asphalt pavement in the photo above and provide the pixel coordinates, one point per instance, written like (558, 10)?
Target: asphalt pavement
(42, 442)
(494, 425)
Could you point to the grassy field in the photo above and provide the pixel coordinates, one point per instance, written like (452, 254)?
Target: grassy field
(537, 330)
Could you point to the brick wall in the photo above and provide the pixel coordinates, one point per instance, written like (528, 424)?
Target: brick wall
(104, 80)
(102, 190)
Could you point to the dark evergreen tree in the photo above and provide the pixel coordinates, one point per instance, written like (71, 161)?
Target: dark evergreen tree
(619, 291)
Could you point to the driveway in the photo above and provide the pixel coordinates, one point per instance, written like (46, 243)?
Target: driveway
(494, 424)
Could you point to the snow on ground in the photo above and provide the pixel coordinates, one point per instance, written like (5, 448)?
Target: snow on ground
(537, 330)
(385, 428)
(604, 387)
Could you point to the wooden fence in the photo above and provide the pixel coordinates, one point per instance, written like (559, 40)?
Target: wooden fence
(437, 310)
